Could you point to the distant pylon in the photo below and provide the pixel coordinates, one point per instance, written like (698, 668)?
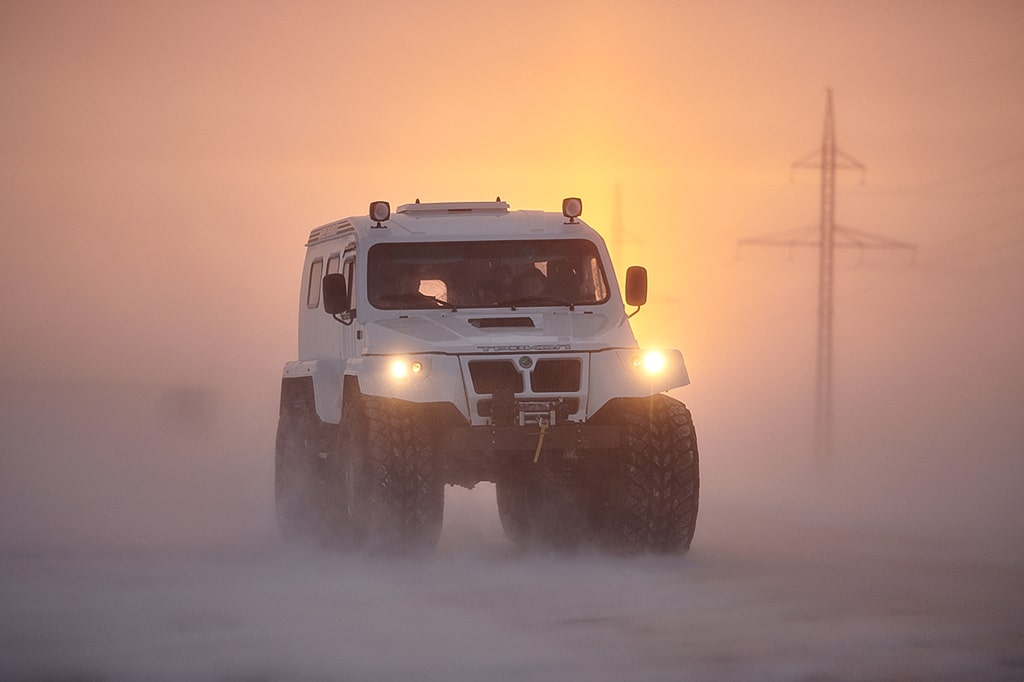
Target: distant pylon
(618, 229)
(619, 235)
(829, 158)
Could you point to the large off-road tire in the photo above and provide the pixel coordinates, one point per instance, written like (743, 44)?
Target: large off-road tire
(301, 437)
(652, 493)
(544, 506)
(513, 509)
(397, 488)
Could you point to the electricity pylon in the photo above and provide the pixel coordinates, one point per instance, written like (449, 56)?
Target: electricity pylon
(618, 251)
(829, 237)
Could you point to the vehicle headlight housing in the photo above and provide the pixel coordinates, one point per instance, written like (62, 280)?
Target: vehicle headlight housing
(401, 369)
(652, 362)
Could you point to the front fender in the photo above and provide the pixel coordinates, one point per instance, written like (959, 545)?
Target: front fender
(622, 373)
(438, 381)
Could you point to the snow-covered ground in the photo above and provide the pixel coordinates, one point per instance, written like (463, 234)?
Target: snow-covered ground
(135, 549)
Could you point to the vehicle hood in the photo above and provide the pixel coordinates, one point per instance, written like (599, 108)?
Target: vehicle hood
(513, 331)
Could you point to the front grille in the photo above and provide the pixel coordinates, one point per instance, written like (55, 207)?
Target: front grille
(492, 375)
(563, 408)
(556, 376)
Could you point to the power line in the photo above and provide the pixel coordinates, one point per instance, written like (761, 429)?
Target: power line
(827, 238)
(958, 178)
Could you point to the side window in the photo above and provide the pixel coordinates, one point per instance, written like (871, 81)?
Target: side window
(333, 264)
(350, 268)
(316, 272)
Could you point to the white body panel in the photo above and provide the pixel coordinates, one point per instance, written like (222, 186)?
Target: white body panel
(443, 341)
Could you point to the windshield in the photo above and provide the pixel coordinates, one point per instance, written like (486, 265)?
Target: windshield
(491, 274)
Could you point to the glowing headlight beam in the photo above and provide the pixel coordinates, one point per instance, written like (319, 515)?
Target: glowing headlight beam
(399, 369)
(652, 362)
(402, 369)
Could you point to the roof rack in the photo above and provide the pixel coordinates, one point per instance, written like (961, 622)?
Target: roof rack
(446, 208)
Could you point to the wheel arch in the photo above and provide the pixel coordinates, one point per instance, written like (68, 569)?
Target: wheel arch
(319, 381)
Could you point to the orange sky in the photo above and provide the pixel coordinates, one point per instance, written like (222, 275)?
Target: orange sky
(161, 164)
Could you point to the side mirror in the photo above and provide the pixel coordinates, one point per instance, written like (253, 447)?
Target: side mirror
(636, 285)
(335, 294)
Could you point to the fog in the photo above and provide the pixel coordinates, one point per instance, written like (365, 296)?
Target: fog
(161, 165)
(139, 543)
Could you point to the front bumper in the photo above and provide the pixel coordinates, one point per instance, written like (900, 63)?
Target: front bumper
(490, 439)
(597, 377)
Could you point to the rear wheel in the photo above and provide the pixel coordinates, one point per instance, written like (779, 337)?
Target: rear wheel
(397, 491)
(544, 505)
(652, 494)
(513, 509)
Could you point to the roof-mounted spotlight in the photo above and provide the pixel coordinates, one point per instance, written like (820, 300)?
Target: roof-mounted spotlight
(572, 208)
(380, 210)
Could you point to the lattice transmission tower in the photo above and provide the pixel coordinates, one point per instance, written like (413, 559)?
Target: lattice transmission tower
(827, 237)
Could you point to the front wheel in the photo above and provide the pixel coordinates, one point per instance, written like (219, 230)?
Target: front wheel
(300, 492)
(397, 491)
(652, 494)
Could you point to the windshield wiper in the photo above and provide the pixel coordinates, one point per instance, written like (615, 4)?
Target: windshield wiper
(539, 300)
(444, 304)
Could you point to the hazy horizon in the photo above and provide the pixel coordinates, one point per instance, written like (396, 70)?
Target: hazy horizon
(161, 165)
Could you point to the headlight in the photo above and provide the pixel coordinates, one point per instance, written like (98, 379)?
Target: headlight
(652, 361)
(403, 368)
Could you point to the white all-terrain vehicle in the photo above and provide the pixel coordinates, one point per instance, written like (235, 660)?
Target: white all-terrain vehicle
(454, 343)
